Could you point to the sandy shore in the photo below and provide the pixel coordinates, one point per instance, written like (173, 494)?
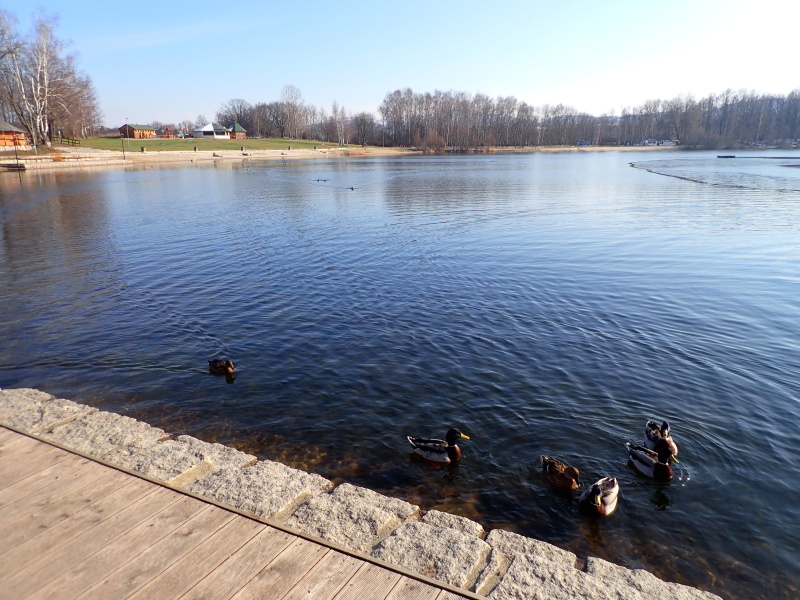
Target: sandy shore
(74, 157)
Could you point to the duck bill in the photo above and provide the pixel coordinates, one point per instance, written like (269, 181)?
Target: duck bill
(465, 437)
(673, 459)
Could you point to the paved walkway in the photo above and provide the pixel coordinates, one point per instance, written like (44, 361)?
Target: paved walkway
(73, 528)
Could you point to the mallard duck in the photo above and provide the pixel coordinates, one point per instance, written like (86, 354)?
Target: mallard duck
(656, 437)
(439, 450)
(220, 366)
(651, 463)
(560, 475)
(601, 498)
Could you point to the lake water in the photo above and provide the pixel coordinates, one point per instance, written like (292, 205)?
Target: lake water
(543, 303)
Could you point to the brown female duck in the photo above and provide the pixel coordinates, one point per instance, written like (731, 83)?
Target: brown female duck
(559, 475)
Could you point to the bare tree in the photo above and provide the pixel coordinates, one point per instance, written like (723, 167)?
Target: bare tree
(292, 101)
(186, 126)
(236, 110)
(37, 81)
(364, 124)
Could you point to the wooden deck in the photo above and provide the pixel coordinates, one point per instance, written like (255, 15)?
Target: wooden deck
(73, 528)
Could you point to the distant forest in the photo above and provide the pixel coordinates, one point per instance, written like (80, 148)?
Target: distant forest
(461, 120)
(43, 91)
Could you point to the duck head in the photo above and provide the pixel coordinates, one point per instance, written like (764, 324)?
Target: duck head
(453, 436)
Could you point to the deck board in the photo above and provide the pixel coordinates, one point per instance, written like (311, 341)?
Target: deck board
(283, 571)
(37, 522)
(326, 578)
(73, 528)
(180, 577)
(55, 492)
(370, 583)
(40, 479)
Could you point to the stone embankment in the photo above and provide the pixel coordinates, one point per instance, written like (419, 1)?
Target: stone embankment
(499, 564)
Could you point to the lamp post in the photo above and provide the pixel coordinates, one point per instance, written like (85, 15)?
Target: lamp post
(122, 138)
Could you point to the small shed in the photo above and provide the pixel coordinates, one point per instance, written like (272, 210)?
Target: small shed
(213, 131)
(608, 141)
(237, 132)
(12, 137)
(139, 132)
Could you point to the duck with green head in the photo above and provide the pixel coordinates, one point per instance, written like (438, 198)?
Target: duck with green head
(443, 451)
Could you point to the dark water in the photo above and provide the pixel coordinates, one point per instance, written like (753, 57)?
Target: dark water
(544, 304)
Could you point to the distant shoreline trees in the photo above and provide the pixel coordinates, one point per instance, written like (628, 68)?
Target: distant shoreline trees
(462, 121)
(40, 85)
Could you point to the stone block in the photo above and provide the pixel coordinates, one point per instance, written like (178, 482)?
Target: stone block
(462, 524)
(541, 571)
(637, 583)
(42, 416)
(13, 401)
(267, 489)
(515, 544)
(495, 569)
(178, 462)
(438, 552)
(351, 516)
(530, 579)
(100, 433)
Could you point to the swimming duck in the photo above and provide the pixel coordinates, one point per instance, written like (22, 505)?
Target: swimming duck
(656, 438)
(560, 475)
(439, 450)
(651, 463)
(601, 498)
(220, 366)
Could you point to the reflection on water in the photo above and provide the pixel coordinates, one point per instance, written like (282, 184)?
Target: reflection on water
(543, 304)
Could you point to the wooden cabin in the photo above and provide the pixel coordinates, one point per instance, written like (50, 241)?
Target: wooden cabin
(237, 132)
(12, 137)
(139, 132)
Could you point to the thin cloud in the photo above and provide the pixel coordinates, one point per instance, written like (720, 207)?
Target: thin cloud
(168, 36)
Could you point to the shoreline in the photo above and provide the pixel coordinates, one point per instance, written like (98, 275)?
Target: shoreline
(455, 550)
(72, 157)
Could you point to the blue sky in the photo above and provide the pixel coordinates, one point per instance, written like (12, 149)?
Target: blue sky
(172, 60)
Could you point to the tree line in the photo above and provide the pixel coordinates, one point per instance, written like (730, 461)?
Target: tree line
(41, 87)
(461, 121)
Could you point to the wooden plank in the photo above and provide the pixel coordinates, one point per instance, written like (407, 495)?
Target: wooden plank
(411, 589)
(12, 471)
(16, 442)
(6, 434)
(282, 572)
(76, 578)
(47, 567)
(36, 523)
(63, 532)
(23, 447)
(231, 575)
(55, 492)
(41, 479)
(326, 578)
(168, 550)
(176, 580)
(370, 583)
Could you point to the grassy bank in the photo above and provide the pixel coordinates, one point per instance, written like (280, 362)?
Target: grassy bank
(171, 145)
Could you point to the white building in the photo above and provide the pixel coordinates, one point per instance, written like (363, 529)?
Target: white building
(212, 130)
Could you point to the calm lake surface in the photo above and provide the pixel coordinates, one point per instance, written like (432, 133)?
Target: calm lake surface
(543, 303)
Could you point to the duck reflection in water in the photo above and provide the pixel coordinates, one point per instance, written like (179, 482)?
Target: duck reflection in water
(660, 500)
